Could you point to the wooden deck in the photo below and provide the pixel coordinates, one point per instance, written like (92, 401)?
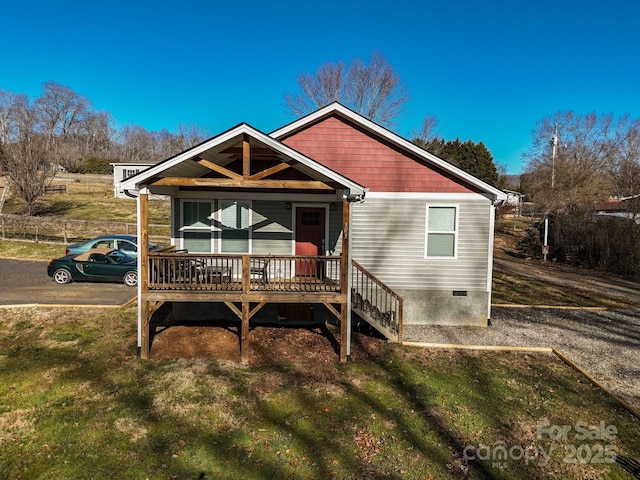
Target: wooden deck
(260, 279)
(212, 277)
(244, 283)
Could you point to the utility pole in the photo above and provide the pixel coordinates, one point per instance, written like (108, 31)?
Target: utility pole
(554, 142)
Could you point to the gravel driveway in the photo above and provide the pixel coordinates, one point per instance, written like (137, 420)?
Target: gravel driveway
(606, 344)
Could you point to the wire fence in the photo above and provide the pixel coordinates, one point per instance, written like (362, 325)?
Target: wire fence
(64, 230)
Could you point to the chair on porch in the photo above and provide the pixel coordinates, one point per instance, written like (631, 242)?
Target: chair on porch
(260, 268)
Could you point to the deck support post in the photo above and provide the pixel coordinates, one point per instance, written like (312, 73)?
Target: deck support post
(145, 349)
(144, 312)
(345, 314)
(244, 327)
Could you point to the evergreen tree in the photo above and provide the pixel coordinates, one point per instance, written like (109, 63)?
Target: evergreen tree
(473, 158)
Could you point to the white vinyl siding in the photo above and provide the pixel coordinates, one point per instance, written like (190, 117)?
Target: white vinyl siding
(441, 231)
(394, 250)
(234, 224)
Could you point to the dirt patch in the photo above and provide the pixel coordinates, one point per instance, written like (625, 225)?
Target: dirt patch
(268, 344)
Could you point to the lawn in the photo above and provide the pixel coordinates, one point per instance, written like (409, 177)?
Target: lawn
(75, 403)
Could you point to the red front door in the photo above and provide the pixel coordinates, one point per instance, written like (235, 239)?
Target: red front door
(310, 237)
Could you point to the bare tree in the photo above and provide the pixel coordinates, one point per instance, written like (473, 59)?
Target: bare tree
(97, 133)
(372, 90)
(63, 116)
(190, 135)
(64, 129)
(8, 103)
(578, 170)
(427, 133)
(25, 156)
(62, 110)
(137, 145)
(625, 170)
(318, 90)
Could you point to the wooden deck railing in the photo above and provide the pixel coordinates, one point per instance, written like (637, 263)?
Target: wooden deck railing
(376, 303)
(172, 270)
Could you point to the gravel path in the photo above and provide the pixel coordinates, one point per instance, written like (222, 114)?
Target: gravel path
(606, 344)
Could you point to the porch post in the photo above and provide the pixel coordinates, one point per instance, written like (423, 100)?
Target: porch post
(143, 274)
(244, 327)
(345, 282)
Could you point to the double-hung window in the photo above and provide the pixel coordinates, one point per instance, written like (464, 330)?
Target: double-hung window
(130, 172)
(441, 234)
(196, 229)
(234, 224)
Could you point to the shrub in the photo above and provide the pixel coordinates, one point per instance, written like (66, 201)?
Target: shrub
(98, 165)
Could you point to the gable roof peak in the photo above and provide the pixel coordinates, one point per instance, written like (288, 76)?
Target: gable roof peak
(389, 136)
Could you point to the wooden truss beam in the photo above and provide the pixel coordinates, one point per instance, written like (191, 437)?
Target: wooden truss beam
(220, 169)
(269, 171)
(241, 183)
(246, 156)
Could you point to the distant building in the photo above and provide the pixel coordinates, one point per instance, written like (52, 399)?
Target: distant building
(515, 200)
(618, 208)
(122, 171)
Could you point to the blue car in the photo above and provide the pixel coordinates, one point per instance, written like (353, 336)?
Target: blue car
(97, 265)
(125, 243)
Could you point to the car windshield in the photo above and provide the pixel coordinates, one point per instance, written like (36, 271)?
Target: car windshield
(118, 257)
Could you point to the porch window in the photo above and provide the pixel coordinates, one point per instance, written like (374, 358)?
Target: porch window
(234, 219)
(196, 230)
(441, 231)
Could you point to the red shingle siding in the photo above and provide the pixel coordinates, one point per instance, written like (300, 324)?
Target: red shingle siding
(363, 158)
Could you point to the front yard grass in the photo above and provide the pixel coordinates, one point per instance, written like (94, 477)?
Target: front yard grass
(76, 403)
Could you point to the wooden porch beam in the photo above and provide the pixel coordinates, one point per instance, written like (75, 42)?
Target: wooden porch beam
(256, 309)
(246, 156)
(238, 296)
(244, 326)
(220, 169)
(154, 308)
(344, 279)
(234, 309)
(238, 312)
(242, 183)
(335, 312)
(269, 171)
(145, 311)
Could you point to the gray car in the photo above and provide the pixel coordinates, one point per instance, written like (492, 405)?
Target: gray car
(125, 243)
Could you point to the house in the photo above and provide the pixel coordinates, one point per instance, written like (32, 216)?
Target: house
(515, 200)
(331, 210)
(620, 208)
(122, 171)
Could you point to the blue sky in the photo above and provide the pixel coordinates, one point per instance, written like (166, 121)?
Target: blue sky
(487, 70)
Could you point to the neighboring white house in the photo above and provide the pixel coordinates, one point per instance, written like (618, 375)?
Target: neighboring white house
(122, 171)
(515, 200)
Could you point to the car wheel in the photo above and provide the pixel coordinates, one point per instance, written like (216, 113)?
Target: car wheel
(62, 276)
(131, 278)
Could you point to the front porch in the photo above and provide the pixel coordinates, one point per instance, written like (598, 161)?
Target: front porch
(262, 223)
(246, 283)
